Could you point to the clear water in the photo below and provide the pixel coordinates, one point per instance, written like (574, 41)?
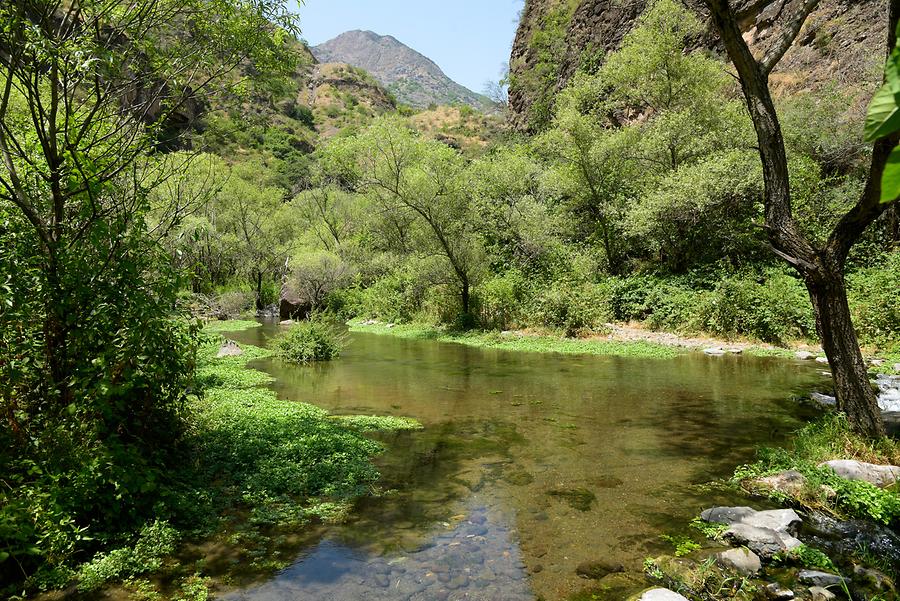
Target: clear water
(529, 465)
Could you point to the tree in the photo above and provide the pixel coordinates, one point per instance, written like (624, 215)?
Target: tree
(405, 173)
(821, 265)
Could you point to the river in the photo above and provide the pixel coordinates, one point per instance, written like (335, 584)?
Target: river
(529, 465)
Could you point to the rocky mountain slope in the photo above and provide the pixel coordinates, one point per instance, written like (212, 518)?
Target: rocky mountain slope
(842, 42)
(413, 78)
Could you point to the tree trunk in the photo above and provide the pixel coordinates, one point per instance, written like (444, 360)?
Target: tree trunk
(855, 396)
(465, 296)
(259, 301)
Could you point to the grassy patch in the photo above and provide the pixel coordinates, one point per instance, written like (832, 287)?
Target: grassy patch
(533, 344)
(826, 439)
(229, 325)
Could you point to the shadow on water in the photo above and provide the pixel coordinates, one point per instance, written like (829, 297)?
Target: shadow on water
(529, 465)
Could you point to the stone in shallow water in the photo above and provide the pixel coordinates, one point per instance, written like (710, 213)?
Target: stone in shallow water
(779, 520)
(804, 355)
(743, 561)
(715, 351)
(825, 400)
(879, 475)
(776, 592)
(765, 542)
(595, 570)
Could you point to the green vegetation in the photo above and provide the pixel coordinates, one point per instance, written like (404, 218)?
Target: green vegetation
(829, 438)
(313, 339)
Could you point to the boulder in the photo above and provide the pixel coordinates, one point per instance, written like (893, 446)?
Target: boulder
(817, 593)
(879, 475)
(873, 579)
(765, 542)
(230, 349)
(845, 538)
(715, 351)
(291, 305)
(817, 578)
(789, 483)
(824, 400)
(597, 569)
(661, 594)
(804, 355)
(743, 561)
(780, 520)
(776, 592)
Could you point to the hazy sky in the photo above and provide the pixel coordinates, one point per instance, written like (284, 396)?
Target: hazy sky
(469, 39)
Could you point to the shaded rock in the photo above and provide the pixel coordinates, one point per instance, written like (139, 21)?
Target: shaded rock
(595, 570)
(743, 561)
(776, 592)
(788, 482)
(879, 475)
(230, 349)
(765, 542)
(817, 593)
(291, 305)
(817, 578)
(804, 355)
(779, 520)
(846, 538)
(873, 579)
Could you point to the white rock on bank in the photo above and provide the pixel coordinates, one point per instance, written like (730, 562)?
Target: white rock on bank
(661, 594)
(804, 355)
(879, 475)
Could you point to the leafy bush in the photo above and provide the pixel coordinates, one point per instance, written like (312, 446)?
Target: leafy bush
(574, 308)
(875, 303)
(314, 339)
(156, 540)
(501, 300)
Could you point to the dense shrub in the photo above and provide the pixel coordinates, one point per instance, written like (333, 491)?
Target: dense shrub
(875, 302)
(573, 308)
(500, 301)
(314, 339)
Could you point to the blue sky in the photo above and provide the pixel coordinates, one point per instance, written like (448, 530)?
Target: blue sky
(469, 39)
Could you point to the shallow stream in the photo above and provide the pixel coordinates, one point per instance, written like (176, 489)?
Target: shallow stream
(529, 465)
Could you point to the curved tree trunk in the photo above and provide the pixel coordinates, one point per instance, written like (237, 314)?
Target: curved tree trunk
(855, 395)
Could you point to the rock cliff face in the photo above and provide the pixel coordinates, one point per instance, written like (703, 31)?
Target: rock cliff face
(842, 41)
(415, 79)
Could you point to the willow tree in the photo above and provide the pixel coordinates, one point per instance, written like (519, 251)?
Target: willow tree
(821, 265)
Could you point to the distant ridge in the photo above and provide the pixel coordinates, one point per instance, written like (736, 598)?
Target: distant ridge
(412, 77)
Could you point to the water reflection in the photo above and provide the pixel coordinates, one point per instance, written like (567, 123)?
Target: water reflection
(472, 556)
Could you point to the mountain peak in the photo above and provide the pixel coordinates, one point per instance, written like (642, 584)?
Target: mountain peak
(414, 78)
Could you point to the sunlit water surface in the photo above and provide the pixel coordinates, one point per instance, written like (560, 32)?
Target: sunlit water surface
(529, 465)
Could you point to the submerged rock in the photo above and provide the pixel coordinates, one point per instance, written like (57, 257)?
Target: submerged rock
(879, 475)
(595, 570)
(743, 561)
(577, 498)
(230, 349)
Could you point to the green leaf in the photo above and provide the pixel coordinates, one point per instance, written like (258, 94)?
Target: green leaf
(892, 71)
(884, 114)
(890, 178)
